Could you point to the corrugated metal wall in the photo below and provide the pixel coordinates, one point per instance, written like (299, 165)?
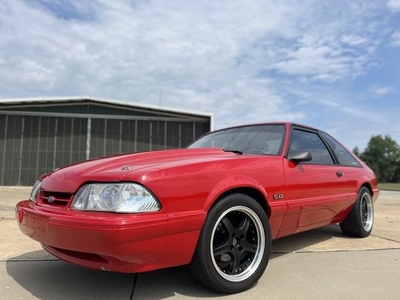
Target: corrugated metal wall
(33, 145)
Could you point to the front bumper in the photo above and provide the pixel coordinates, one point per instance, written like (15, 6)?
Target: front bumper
(114, 242)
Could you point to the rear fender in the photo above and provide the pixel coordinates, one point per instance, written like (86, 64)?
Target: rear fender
(372, 186)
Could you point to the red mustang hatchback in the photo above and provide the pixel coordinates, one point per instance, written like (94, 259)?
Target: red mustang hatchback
(216, 205)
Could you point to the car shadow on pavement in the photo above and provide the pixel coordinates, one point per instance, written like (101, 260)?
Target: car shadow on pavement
(308, 241)
(55, 279)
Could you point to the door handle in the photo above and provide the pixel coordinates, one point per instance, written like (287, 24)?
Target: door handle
(339, 174)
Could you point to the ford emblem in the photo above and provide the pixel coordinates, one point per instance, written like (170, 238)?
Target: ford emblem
(126, 167)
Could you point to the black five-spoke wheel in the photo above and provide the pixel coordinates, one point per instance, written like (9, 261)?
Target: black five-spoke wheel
(234, 246)
(238, 243)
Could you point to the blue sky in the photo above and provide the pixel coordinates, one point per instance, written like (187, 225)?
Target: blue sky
(329, 64)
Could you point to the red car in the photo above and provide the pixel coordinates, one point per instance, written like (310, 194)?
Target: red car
(216, 205)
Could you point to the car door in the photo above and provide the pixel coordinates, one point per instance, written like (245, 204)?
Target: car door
(316, 190)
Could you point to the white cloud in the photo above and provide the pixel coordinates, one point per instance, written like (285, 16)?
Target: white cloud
(395, 39)
(380, 90)
(233, 58)
(322, 59)
(353, 40)
(122, 43)
(394, 5)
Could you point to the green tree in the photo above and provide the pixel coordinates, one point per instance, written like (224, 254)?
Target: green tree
(383, 156)
(356, 151)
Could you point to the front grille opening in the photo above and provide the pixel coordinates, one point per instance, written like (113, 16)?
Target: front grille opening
(55, 199)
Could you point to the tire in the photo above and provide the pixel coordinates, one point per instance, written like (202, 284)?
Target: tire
(234, 245)
(360, 221)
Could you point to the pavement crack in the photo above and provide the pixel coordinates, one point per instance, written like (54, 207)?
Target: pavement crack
(134, 286)
(332, 251)
(387, 239)
(23, 260)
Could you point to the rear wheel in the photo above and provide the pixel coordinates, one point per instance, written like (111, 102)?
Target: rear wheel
(234, 245)
(360, 221)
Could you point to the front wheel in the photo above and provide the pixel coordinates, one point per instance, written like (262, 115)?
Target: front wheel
(234, 246)
(360, 221)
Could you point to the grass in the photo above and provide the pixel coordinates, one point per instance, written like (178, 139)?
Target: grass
(390, 186)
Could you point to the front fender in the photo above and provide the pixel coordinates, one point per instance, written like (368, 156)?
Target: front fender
(230, 183)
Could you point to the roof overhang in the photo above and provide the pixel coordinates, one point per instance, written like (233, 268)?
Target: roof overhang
(87, 99)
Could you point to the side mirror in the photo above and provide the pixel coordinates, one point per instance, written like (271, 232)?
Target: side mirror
(299, 156)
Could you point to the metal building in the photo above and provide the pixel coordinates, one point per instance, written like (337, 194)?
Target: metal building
(40, 135)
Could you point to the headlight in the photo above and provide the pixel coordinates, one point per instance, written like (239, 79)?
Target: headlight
(115, 197)
(35, 191)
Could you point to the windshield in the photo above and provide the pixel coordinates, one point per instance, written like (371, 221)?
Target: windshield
(255, 139)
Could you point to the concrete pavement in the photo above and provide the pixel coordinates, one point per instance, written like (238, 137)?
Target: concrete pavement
(319, 264)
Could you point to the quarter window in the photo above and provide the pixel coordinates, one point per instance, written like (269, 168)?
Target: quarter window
(344, 157)
(311, 142)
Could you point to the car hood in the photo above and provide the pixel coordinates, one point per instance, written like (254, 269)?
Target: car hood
(133, 166)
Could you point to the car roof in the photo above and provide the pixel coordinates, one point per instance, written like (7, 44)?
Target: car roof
(272, 123)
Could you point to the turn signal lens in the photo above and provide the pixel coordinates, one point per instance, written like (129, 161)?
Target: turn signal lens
(35, 191)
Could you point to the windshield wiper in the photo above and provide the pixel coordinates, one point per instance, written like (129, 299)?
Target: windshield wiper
(233, 151)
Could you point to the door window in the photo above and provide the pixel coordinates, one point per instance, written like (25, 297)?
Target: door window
(311, 142)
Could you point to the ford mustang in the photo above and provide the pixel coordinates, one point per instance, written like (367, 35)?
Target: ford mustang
(215, 205)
